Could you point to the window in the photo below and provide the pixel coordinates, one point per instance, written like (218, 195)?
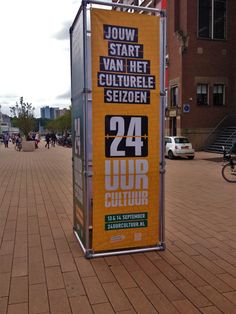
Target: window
(218, 95)
(202, 94)
(181, 140)
(167, 140)
(212, 19)
(176, 15)
(174, 96)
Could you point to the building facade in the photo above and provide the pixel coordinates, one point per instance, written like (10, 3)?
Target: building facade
(49, 112)
(201, 67)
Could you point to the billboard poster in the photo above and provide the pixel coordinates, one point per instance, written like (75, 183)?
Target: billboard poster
(125, 129)
(78, 126)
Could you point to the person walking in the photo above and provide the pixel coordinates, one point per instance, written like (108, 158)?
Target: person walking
(47, 138)
(37, 140)
(18, 143)
(6, 139)
(54, 139)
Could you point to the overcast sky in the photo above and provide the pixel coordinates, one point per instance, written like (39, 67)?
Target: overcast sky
(34, 52)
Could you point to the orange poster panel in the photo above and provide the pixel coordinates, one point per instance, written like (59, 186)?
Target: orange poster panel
(126, 129)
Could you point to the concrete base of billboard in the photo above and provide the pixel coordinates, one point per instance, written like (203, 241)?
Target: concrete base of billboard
(28, 146)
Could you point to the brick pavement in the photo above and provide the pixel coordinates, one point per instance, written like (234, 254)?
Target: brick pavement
(43, 270)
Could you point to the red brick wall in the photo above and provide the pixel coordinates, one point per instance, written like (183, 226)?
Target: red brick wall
(212, 60)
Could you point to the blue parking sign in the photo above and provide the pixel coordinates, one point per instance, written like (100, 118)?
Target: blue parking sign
(186, 108)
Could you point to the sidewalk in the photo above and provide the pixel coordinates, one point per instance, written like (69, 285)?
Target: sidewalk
(43, 270)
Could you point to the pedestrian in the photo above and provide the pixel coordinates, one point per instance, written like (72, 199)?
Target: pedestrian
(36, 140)
(47, 138)
(6, 139)
(18, 142)
(54, 138)
(13, 138)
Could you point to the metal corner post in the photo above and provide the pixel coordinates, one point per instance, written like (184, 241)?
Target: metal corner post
(72, 118)
(85, 131)
(162, 125)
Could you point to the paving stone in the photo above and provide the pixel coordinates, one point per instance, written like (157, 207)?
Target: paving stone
(94, 290)
(50, 258)
(4, 284)
(192, 293)
(18, 290)
(103, 308)
(145, 282)
(162, 304)
(3, 305)
(73, 284)
(184, 306)
(210, 310)
(123, 277)
(20, 266)
(54, 278)
(38, 299)
(6, 263)
(219, 300)
(67, 262)
(102, 270)
(117, 297)
(85, 267)
(7, 247)
(140, 303)
(59, 303)
(20, 308)
(80, 305)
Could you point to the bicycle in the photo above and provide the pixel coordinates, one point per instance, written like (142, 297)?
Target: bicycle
(229, 170)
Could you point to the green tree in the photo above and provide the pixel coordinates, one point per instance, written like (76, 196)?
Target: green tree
(23, 116)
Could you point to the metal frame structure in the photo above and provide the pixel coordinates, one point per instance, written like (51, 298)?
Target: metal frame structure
(87, 173)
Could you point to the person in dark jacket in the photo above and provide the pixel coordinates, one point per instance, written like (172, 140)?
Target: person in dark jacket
(54, 139)
(47, 138)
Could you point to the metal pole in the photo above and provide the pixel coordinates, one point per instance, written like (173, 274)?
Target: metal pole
(85, 131)
(125, 6)
(162, 127)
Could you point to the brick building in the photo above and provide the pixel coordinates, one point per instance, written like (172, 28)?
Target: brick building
(201, 67)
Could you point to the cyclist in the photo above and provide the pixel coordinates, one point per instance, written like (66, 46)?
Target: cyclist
(18, 142)
(233, 148)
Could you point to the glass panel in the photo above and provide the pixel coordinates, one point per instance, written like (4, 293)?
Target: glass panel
(219, 18)
(204, 18)
(181, 140)
(204, 89)
(199, 89)
(202, 94)
(174, 96)
(218, 95)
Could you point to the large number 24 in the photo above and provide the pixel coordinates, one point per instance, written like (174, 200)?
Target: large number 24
(133, 136)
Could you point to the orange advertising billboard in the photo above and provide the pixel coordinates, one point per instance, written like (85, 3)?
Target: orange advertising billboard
(125, 129)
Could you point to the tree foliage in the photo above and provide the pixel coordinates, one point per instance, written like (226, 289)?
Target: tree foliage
(23, 116)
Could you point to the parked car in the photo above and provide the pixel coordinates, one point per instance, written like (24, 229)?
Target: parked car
(178, 146)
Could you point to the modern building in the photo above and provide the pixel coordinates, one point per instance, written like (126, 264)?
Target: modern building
(49, 112)
(52, 112)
